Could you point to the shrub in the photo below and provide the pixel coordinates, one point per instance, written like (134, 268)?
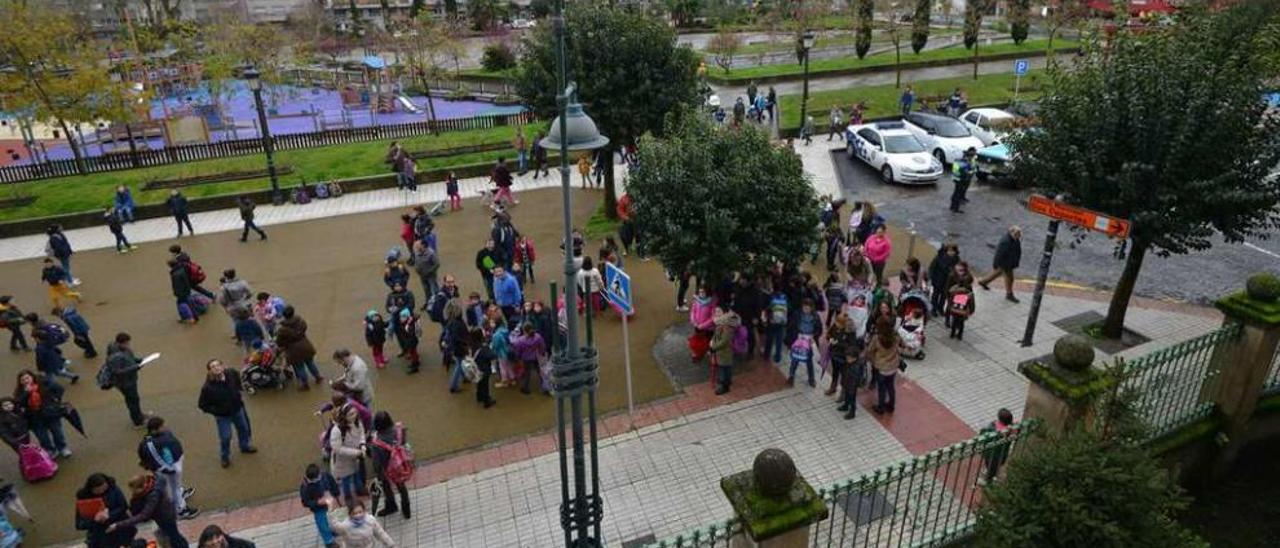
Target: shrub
(498, 57)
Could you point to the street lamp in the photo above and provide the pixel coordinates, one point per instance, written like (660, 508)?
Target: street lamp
(806, 44)
(254, 79)
(574, 369)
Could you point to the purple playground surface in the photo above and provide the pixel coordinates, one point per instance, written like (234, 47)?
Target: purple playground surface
(296, 110)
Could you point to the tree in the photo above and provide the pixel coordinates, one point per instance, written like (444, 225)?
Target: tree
(1061, 15)
(415, 8)
(1019, 23)
(684, 11)
(724, 46)
(485, 14)
(974, 10)
(1116, 138)
(55, 76)
(893, 27)
(920, 25)
(451, 8)
(865, 17)
(699, 201)
(1268, 46)
(629, 70)
(427, 43)
(540, 8)
(498, 57)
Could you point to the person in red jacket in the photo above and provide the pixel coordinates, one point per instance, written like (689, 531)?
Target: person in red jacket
(525, 255)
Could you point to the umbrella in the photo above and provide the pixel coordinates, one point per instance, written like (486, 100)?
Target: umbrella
(12, 502)
(73, 418)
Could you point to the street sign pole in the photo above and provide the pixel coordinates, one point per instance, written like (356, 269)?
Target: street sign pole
(626, 360)
(1041, 278)
(1020, 68)
(617, 291)
(1017, 82)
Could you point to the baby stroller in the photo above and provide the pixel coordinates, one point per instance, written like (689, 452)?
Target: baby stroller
(262, 369)
(913, 309)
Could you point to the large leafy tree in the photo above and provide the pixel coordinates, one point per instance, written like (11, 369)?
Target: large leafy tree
(700, 205)
(485, 14)
(1115, 136)
(629, 70)
(683, 11)
(920, 24)
(864, 14)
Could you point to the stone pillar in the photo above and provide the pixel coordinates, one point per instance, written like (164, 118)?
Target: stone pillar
(774, 504)
(1061, 393)
(1242, 364)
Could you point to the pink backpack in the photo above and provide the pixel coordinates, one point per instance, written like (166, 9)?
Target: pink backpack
(400, 466)
(36, 464)
(739, 342)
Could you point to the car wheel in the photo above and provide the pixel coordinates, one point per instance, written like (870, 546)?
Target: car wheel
(942, 157)
(886, 174)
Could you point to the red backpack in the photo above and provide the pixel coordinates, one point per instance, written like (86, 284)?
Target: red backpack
(194, 272)
(400, 466)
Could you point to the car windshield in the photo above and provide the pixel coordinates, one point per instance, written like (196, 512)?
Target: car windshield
(902, 144)
(952, 128)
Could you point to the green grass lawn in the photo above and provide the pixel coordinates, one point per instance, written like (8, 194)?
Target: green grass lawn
(818, 66)
(828, 41)
(77, 194)
(883, 100)
(506, 74)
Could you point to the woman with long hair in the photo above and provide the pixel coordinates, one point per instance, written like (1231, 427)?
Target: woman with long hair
(99, 505)
(387, 436)
(882, 352)
(40, 400)
(346, 442)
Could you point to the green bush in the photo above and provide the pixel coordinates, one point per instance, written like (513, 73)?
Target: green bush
(497, 57)
(1264, 287)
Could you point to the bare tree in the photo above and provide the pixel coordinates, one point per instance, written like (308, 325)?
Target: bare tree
(724, 46)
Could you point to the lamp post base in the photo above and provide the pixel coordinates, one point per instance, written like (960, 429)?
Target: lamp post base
(277, 197)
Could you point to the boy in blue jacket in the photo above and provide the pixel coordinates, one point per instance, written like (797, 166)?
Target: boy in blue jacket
(79, 328)
(317, 490)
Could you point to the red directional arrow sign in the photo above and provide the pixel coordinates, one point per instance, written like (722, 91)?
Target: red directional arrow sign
(1079, 216)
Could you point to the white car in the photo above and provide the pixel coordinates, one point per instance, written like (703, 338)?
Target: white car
(991, 125)
(944, 136)
(523, 23)
(891, 149)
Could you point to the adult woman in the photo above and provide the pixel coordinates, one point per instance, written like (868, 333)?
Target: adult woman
(939, 270)
(911, 278)
(864, 220)
(220, 397)
(882, 352)
(14, 428)
(386, 436)
(149, 501)
(360, 530)
(299, 353)
(530, 349)
(702, 316)
(99, 505)
(40, 399)
(726, 327)
(878, 249)
(860, 269)
(346, 441)
(486, 362)
(214, 537)
(960, 276)
(844, 348)
(590, 285)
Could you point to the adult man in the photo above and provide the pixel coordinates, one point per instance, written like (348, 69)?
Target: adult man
(49, 358)
(540, 155)
(427, 263)
(837, 120)
(752, 91)
(220, 397)
(235, 295)
(962, 171)
(486, 259)
(178, 208)
(739, 112)
(355, 382)
(246, 214)
(123, 366)
(501, 176)
(161, 453)
(181, 285)
(503, 235)
(195, 274)
(59, 248)
(435, 304)
(954, 103)
(506, 292)
(1008, 256)
(908, 98)
(522, 153)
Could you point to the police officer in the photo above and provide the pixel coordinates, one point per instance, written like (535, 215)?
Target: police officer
(961, 174)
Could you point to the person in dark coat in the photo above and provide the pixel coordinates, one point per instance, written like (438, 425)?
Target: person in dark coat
(214, 537)
(220, 397)
(939, 270)
(124, 366)
(15, 431)
(149, 501)
(180, 283)
(160, 452)
(1008, 256)
(116, 226)
(49, 358)
(386, 435)
(487, 258)
(40, 401)
(184, 259)
(299, 353)
(114, 509)
(178, 208)
(317, 488)
(60, 248)
(748, 303)
(246, 214)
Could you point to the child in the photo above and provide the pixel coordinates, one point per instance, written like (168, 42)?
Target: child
(801, 352)
(56, 278)
(530, 349)
(500, 343)
(79, 328)
(584, 169)
(776, 329)
(525, 255)
(960, 306)
(116, 225)
(11, 319)
(409, 333)
(317, 491)
(248, 331)
(451, 188)
(375, 335)
(266, 310)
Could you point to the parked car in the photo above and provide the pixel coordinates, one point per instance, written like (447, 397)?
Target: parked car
(891, 149)
(523, 23)
(995, 163)
(990, 125)
(945, 137)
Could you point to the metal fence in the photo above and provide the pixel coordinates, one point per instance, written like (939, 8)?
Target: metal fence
(239, 147)
(929, 500)
(1271, 384)
(1170, 384)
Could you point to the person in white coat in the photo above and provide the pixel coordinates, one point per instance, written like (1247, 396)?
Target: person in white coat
(360, 530)
(355, 381)
(346, 445)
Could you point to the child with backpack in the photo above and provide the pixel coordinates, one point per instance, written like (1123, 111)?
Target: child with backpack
(248, 330)
(375, 335)
(266, 310)
(317, 492)
(79, 328)
(393, 463)
(776, 320)
(801, 352)
(500, 343)
(960, 306)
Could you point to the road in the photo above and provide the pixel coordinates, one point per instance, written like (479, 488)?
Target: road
(1080, 259)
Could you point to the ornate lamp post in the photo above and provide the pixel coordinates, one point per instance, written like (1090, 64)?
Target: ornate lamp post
(806, 44)
(574, 368)
(252, 76)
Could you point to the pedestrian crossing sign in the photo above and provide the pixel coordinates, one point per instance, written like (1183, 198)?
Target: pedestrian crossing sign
(617, 288)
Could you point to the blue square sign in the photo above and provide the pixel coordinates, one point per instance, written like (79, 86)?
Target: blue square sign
(617, 288)
(1021, 67)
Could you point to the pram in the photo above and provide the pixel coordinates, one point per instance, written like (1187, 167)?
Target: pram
(913, 309)
(262, 369)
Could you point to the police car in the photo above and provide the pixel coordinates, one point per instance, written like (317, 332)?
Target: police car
(892, 150)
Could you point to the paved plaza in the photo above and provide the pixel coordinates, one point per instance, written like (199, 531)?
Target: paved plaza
(661, 477)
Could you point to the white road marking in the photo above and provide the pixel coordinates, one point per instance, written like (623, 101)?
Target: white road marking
(1260, 250)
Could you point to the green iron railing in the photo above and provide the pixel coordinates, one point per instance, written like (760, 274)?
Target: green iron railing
(920, 502)
(1172, 385)
(1271, 384)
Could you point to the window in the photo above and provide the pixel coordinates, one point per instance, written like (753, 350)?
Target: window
(902, 144)
(972, 118)
(869, 136)
(950, 128)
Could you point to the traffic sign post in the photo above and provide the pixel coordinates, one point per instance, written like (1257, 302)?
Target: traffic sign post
(617, 290)
(1020, 69)
(1058, 211)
